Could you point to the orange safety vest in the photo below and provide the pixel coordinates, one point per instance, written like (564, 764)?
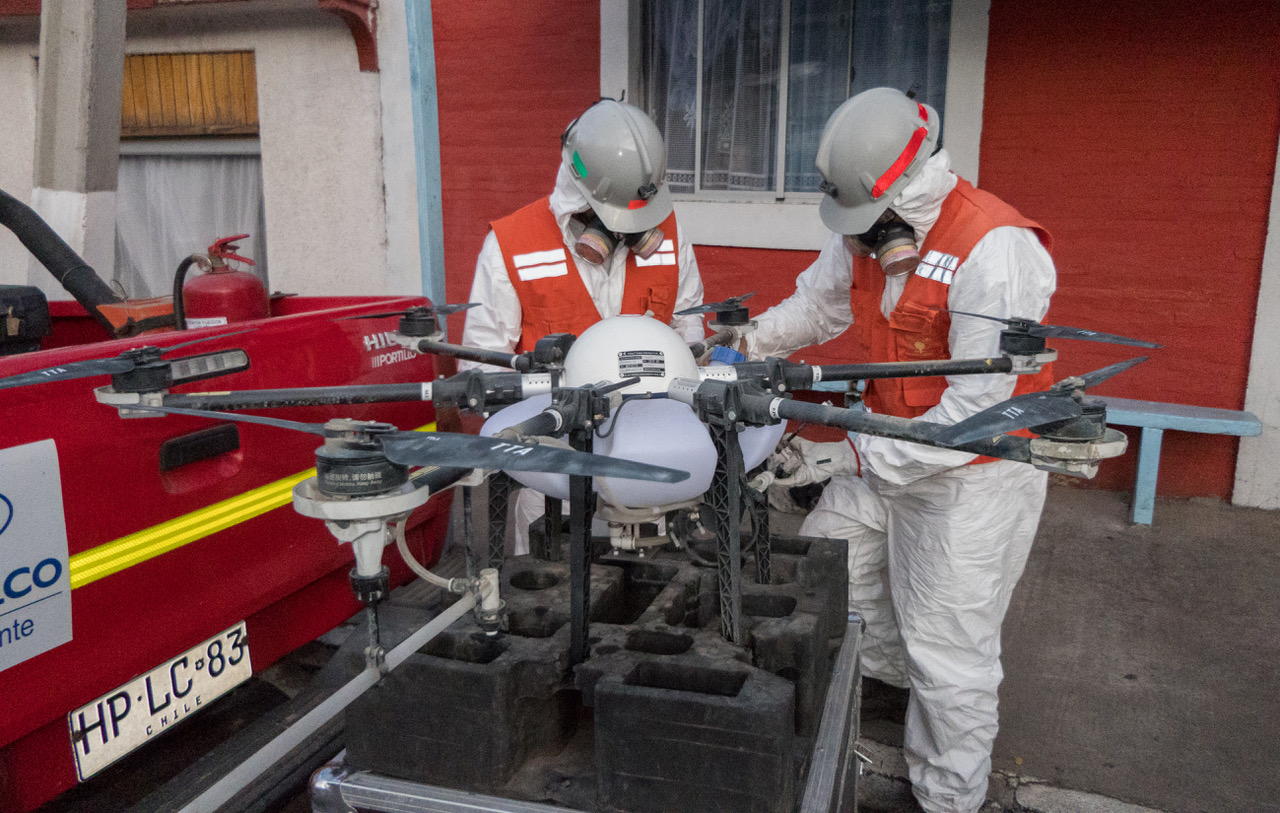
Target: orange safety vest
(918, 327)
(553, 298)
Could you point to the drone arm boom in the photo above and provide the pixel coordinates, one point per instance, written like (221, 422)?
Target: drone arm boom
(912, 369)
(494, 357)
(548, 422)
(799, 376)
(305, 396)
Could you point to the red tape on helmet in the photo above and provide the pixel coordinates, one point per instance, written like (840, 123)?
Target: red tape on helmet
(904, 160)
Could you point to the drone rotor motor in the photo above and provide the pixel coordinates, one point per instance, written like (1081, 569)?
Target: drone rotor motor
(351, 463)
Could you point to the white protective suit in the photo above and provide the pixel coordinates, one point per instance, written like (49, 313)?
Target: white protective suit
(935, 546)
(495, 323)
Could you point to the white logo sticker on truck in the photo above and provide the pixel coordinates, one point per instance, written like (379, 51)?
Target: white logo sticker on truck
(35, 583)
(375, 342)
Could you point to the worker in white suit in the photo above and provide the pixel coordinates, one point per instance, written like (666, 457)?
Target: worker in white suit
(937, 538)
(605, 242)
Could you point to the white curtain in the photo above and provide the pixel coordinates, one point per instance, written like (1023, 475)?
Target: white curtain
(836, 50)
(669, 79)
(902, 44)
(169, 207)
(817, 82)
(740, 69)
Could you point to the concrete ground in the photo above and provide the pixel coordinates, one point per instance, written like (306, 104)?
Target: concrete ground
(1140, 666)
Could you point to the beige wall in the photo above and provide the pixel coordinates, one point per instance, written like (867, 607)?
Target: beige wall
(320, 133)
(19, 43)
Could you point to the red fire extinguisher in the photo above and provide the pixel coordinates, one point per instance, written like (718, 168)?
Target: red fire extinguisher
(221, 294)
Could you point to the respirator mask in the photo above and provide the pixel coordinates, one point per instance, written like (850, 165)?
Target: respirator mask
(891, 240)
(596, 242)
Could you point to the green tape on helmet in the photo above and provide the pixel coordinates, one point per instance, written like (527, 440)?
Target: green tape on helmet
(578, 166)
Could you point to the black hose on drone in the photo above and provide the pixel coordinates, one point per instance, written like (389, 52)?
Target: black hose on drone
(67, 267)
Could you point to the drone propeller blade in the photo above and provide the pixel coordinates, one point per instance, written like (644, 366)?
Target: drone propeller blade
(447, 449)
(1062, 331)
(439, 310)
(1030, 409)
(67, 372)
(109, 366)
(991, 318)
(1020, 412)
(371, 316)
(297, 426)
(173, 347)
(439, 448)
(731, 304)
(445, 310)
(1093, 379)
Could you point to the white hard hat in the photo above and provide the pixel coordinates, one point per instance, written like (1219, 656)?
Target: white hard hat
(871, 147)
(617, 159)
(625, 346)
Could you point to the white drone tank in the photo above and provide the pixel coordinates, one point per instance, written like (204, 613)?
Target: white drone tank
(649, 430)
(629, 347)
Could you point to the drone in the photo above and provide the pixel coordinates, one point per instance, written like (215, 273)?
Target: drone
(620, 422)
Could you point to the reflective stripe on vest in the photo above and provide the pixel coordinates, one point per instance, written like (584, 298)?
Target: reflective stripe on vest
(553, 298)
(919, 325)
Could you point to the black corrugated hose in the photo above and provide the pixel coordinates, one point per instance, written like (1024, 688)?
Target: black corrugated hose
(67, 267)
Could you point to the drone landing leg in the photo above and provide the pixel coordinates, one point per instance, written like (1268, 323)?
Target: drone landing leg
(581, 510)
(371, 590)
(374, 655)
(552, 529)
(466, 531)
(725, 497)
(499, 499)
(758, 505)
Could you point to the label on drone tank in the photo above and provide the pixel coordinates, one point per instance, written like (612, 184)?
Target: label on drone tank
(651, 363)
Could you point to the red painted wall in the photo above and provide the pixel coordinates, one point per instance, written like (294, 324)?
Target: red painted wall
(1143, 135)
(511, 75)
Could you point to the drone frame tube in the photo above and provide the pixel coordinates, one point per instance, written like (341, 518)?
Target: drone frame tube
(302, 396)
(494, 357)
(912, 369)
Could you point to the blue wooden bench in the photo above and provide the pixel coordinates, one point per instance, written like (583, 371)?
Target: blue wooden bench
(1154, 417)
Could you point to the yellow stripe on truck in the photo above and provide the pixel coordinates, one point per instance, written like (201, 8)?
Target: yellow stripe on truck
(112, 557)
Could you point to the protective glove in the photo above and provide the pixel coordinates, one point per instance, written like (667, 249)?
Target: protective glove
(734, 342)
(799, 462)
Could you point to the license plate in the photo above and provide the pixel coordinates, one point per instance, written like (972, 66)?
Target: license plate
(121, 720)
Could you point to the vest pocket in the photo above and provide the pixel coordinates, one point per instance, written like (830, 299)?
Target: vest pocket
(920, 334)
(545, 314)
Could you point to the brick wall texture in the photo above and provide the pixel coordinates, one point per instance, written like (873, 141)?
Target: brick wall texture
(1142, 135)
